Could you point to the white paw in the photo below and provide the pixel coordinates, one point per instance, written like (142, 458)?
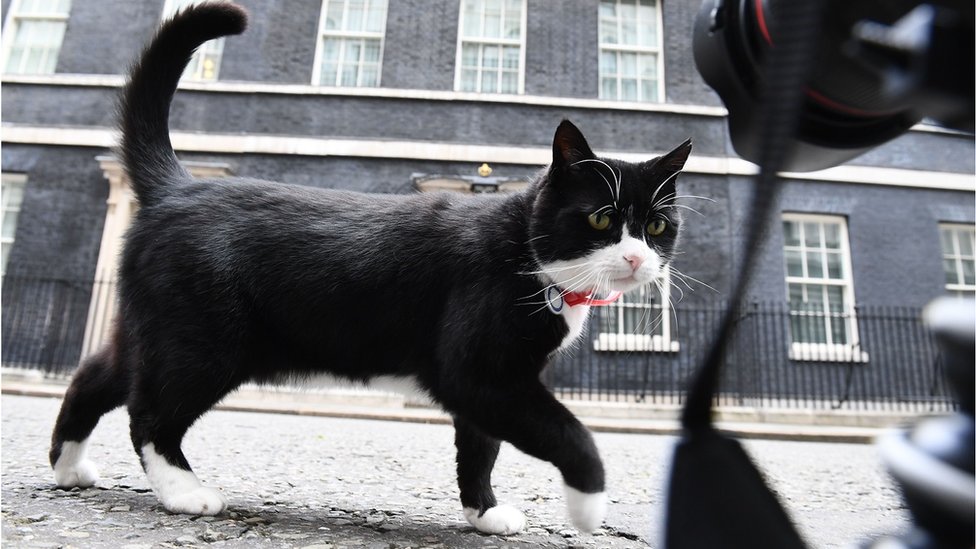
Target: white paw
(199, 501)
(82, 474)
(503, 520)
(586, 511)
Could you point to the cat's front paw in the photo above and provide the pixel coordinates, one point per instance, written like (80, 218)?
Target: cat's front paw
(199, 501)
(82, 474)
(503, 520)
(586, 511)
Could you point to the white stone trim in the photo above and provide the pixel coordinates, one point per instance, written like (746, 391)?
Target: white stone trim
(116, 81)
(458, 152)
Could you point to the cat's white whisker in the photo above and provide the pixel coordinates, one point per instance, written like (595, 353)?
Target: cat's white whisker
(614, 195)
(683, 207)
(663, 183)
(663, 200)
(683, 276)
(680, 196)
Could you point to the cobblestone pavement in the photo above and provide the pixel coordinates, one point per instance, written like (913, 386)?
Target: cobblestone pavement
(317, 483)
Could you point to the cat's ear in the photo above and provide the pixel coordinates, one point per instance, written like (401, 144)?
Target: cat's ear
(673, 161)
(569, 146)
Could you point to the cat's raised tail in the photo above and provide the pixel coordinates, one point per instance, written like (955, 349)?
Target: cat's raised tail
(146, 149)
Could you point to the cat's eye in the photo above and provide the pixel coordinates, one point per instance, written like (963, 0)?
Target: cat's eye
(600, 220)
(656, 227)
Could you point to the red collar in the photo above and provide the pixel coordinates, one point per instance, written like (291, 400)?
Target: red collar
(557, 299)
(579, 298)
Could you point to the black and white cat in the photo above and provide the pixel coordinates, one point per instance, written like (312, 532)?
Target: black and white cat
(227, 281)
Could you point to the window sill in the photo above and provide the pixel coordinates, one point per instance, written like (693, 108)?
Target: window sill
(634, 342)
(822, 352)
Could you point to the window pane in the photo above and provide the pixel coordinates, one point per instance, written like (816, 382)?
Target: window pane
(648, 24)
(377, 16)
(493, 19)
(472, 18)
(628, 89)
(469, 55)
(347, 76)
(951, 276)
(369, 76)
(330, 50)
(839, 331)
(490, 57)
(628, 64)
(947, 246)
(832, 235)
(353, 50)
(14, 60)
(648, 90)
(513, 19)
(9, 224)
(794, 263)
(372, 51)
(511, 58)
(815, 265)
(608, 88)
(509, 82)
(355, 15)
(489, 82)
(648, 64)
(34, 58)
(628, 22)
(808, 329)
(608, 32)
(815, 297)
(796, 296)
(835, 266)
(811, 234)
(608, 63)
(612, 324)
(965, 242)
(835, 299)
(968, 277)
(791, 233)
(469, 80)
(333, 15)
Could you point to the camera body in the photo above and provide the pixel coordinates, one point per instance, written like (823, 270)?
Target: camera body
(881, 67)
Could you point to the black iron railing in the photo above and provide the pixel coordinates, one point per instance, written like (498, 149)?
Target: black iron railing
(888, 362)
(884, 361)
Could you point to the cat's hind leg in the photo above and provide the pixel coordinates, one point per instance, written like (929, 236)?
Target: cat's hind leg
(163, 407)
(476, 453)
(96, 388)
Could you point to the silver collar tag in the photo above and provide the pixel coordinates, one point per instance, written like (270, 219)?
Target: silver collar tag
(554, 300)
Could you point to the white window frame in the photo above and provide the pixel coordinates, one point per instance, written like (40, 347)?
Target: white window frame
(482, 41)
(829, 351)
(344, 35)
(657, 50)
(955, 230)
(212, 48)
(7, 208)
(659, 313)
(12, 23)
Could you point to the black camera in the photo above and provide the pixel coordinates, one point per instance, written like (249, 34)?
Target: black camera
(881, 66)
(850, 75)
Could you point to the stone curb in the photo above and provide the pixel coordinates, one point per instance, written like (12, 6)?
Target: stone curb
(350, 405)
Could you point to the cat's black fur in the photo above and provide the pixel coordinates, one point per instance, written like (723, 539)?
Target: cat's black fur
(231, 280)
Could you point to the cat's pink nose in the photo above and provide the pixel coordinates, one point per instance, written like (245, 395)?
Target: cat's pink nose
(635, 261)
